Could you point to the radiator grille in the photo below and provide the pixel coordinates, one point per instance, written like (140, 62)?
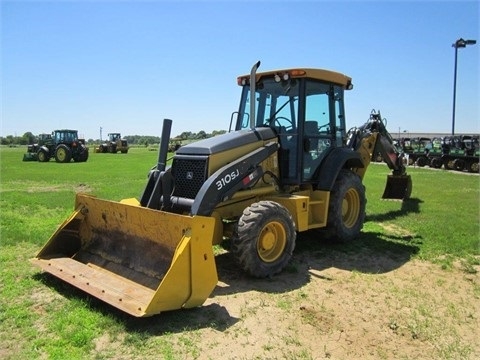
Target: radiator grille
(189, 174)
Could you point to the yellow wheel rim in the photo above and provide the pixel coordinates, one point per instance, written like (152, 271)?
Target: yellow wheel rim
(350, 208)
(272, 241)
(61, 154)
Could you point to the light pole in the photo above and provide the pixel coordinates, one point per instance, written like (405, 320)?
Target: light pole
(460, 43)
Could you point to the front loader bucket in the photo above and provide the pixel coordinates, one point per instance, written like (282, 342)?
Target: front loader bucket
(139, 260)
(398, 187)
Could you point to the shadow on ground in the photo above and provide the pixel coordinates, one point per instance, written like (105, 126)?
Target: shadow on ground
(408, 207)
(211, 316)
(371, 252)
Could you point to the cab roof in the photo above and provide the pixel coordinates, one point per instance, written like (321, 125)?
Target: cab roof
(316, 74)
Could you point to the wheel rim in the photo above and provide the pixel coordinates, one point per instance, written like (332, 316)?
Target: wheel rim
(41, 156)
(271, 242)
(474, 167)
(61, 154)
(350, 208)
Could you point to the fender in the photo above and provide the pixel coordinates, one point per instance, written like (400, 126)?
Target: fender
(226, 181)
(44, 148)
(337, 159)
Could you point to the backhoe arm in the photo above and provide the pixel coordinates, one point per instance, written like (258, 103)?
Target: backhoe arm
(373, 137)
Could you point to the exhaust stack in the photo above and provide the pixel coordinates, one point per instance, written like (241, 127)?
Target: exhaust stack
(252, 93)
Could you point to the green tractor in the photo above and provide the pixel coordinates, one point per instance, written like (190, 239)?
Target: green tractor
(64, 145)
(418, 151)
(461, 153)
(32, 149)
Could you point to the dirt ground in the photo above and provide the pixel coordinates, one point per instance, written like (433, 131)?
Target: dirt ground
(341, 306)
(369, 302)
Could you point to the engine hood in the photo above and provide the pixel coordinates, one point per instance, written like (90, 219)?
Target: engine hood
(226, 141)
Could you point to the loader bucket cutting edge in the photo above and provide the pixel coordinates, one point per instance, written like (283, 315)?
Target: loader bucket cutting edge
(139, 260)
(398, 187)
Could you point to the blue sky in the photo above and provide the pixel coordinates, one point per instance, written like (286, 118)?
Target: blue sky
(126, 65)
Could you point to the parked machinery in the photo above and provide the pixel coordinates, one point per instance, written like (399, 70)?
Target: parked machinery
(113, 144)
(175, 144)
(461, 153)
(434, 151)
(288, 166)
(32, 149)
(416, 149)
(64, 146)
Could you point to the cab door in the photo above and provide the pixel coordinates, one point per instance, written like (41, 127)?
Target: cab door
(318, 127)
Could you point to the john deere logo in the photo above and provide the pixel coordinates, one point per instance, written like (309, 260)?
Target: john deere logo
(189, 175)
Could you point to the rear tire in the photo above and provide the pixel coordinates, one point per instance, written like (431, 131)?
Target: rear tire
(82, 154)
(422, 161)
(346, 211)
(436, 163)
(63, 154)
(85, 155)
(459, 164)
(263, 239)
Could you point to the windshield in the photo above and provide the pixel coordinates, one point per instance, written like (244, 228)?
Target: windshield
(307, 116)
(276, 104)
(65, 136)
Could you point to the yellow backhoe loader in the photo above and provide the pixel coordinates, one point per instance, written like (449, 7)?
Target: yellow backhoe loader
(287, 165)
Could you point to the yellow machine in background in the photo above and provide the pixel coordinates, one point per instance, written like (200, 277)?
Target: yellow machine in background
(287, 165)
(114, 144)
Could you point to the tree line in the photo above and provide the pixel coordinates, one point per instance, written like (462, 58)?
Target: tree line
(30, 138)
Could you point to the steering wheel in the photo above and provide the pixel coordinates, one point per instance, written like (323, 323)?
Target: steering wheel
(288, 121)
(326, 126)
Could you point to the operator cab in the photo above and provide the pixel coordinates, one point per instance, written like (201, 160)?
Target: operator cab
(305, 107)
(65, 136)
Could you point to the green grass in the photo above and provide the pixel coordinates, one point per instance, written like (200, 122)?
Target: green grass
(37, 197)
(439, 224)
(441, 218)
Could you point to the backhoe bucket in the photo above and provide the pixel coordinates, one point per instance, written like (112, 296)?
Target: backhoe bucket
(139, 260)
(398, 187)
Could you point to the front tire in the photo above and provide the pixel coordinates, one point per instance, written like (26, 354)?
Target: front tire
(449, 164)
(422, 161)
(264, 239)
(473, 167)
(63, 154)
(42, 155)
(346, 211)
(436, 163)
